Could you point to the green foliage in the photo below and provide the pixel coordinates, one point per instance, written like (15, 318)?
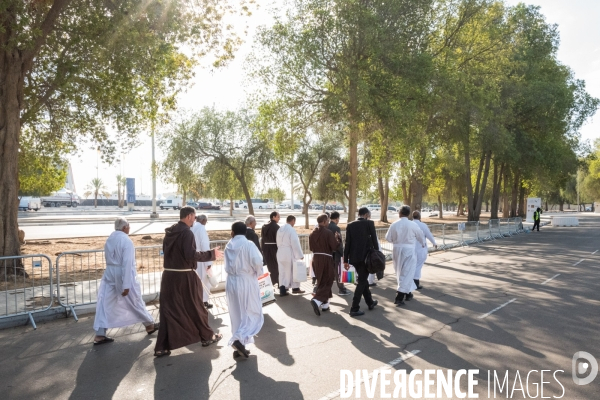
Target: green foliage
(42, 170)
(276, 194)
(119, 63)
(229, 141)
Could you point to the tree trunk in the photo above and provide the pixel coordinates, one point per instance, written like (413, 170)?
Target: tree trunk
(324, 206)
(353, 187)
(247, 195)
(405, 198)
(184, 198)
(546, 208)
(497, 181)
(460, 206)
(480, 188)
(441, 207)
(383, 184)
(11, 84)
(305, 209)
(231, 207)
(514, 194)
(96, 200)
(505, 207)
(522, 200)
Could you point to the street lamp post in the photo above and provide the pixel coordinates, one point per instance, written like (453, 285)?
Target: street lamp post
(154, 213)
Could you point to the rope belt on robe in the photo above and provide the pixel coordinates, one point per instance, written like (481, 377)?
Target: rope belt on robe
(178, 270)
(323, 254)
(269, 243)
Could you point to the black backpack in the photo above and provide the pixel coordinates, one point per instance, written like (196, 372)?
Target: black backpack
(375, 262)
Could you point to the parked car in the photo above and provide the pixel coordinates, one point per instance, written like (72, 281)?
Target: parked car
(30, 203)
(283, 206)
(193, 204)
(339, 208)
(433, 214)
(392, 209)
(207, 206)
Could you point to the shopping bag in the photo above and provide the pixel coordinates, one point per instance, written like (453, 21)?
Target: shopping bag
(265, 285)
(349, 276)
(300, 272)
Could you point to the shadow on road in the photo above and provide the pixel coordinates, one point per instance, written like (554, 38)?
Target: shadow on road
(254, 385)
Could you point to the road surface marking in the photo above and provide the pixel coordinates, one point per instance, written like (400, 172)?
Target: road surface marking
(389, 365)
(496, 309)
(595, 252)
(548, 280)
(579, 262)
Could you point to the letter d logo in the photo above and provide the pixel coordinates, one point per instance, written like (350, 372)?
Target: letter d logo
(581, 367)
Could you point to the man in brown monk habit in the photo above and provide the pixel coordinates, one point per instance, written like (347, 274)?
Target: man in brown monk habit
(323, 243)
(183, 316)
(268, 241)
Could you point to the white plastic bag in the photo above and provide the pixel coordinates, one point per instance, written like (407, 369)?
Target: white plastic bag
(267, 291)
(300, 272)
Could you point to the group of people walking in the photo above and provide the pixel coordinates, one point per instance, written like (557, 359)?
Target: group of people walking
(186, 281)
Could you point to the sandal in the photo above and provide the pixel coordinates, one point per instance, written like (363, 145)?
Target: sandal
(162, 353)
(156, 326)
(215, 339)
(105, 340)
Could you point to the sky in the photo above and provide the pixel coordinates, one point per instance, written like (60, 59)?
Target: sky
(226, 88)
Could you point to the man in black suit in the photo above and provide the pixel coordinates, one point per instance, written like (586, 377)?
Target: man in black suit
(250, 233)
(338, 254)
(360, 237)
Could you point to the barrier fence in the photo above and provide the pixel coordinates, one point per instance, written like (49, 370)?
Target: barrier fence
(26, 285)
(27, 282)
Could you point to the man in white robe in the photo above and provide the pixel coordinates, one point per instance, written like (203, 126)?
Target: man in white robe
(288, 251)
(203, 244)
(243, 264)
(421, 251)
(120, 300)
(404, 235)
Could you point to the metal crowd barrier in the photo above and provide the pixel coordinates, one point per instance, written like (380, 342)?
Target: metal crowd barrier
(26, 283)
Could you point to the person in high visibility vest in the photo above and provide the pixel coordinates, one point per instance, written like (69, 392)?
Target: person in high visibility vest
(536, 219)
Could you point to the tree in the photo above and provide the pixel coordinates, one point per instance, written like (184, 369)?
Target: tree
(276, 194)
(222, 183)
(306, 162)
(70, 67)
(327, 60)
(231, 139)
(41, 172)
(96, 186)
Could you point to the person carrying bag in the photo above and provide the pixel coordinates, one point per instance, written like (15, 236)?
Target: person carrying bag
(361, 238)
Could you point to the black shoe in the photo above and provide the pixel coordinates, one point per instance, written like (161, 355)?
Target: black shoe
(400, 303)
(314, 290)
(208, 305)
(325, 309)
(409, 296)
(356, 313)
(399, 298)
(283, 291)
(373, 304)
(298, 291)
(315, 307)
(372, 284)
(241, 349)
(345, 292)
(418, 283)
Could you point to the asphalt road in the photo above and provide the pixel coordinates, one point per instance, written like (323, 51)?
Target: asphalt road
(548, 282)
